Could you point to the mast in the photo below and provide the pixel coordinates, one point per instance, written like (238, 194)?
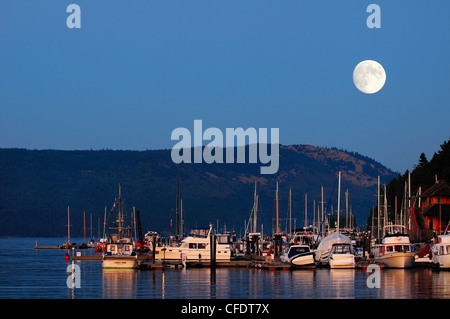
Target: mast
(120, 218)
(181, 218)
(84, 226)
(339, 200)
(378, 207)
(277, 208)
(346, 208)
(323, 228)
(255, 210)
(68, 226)
(290, 213)
(306, 210)
(177, 221)
(385, 208)
(104, 224)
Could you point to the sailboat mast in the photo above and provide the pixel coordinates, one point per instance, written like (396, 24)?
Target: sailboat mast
(119, 229)
(378, 207)
(290, 213)
(306, 210)
(68, 226)
(255, 211)
(323, 226)
(277, 209)
(339, 200)
(177, 221)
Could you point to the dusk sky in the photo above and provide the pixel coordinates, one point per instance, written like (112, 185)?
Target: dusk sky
(137, 70)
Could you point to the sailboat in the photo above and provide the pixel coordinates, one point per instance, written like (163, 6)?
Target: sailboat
(67, 245)
(119, 252)
(336, 250)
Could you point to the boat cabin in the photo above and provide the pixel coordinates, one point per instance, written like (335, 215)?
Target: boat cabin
(342, 248)
(296, 250)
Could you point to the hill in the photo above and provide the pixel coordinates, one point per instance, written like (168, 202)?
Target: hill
(37, 186)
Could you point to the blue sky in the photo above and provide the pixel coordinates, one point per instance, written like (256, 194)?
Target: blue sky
(136, 70)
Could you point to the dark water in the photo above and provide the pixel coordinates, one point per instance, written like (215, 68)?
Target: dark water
(29, 273)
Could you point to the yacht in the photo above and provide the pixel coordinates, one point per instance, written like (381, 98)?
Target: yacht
(440, 252)
(196, 246)
(395, 250)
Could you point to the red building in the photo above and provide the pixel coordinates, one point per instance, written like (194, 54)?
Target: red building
(435, 207)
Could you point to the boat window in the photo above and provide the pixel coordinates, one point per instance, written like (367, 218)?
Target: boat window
(448, 249)
(342, 249)
(406, 248)
(441, 250)
(398, 248)
(127, 248)
(192, 246)
(389, 249)
(201, 246)
(112, 248)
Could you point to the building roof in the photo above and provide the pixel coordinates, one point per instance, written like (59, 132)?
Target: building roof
(441, 188)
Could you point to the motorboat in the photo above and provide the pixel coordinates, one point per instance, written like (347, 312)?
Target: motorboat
(195, 247)
(395, 250)
(342, 255)
(440, 252)
(299, 256)
(336, 251)
(119, 254)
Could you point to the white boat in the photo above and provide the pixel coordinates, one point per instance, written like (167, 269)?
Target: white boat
(299, 256)
(395, 250)
(119, 254)
(440, 252)
(195, 247)
(334, 246)
(342, 255)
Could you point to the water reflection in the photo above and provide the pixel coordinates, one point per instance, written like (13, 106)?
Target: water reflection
(119, 283)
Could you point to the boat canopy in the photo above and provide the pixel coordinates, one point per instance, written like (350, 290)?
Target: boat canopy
(327, 243)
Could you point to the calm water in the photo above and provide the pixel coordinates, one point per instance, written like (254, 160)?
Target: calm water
(29, 273)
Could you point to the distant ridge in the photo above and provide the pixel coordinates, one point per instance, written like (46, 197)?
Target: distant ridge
(37, 186)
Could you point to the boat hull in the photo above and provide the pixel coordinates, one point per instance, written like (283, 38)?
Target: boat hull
(119, 262)
(397, 260)
(303, 261)
(342, 261)
(175, 253)
(442, 261)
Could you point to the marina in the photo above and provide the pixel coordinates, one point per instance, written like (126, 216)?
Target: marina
(330, 253)
(32, 273)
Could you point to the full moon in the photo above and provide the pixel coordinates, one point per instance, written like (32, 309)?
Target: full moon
(369, 76)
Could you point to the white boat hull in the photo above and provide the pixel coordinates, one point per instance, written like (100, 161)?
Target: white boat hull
(397, 260)
(175, 253)
(342, 261)
(442, 261)
(119, 262)
(303, 260)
